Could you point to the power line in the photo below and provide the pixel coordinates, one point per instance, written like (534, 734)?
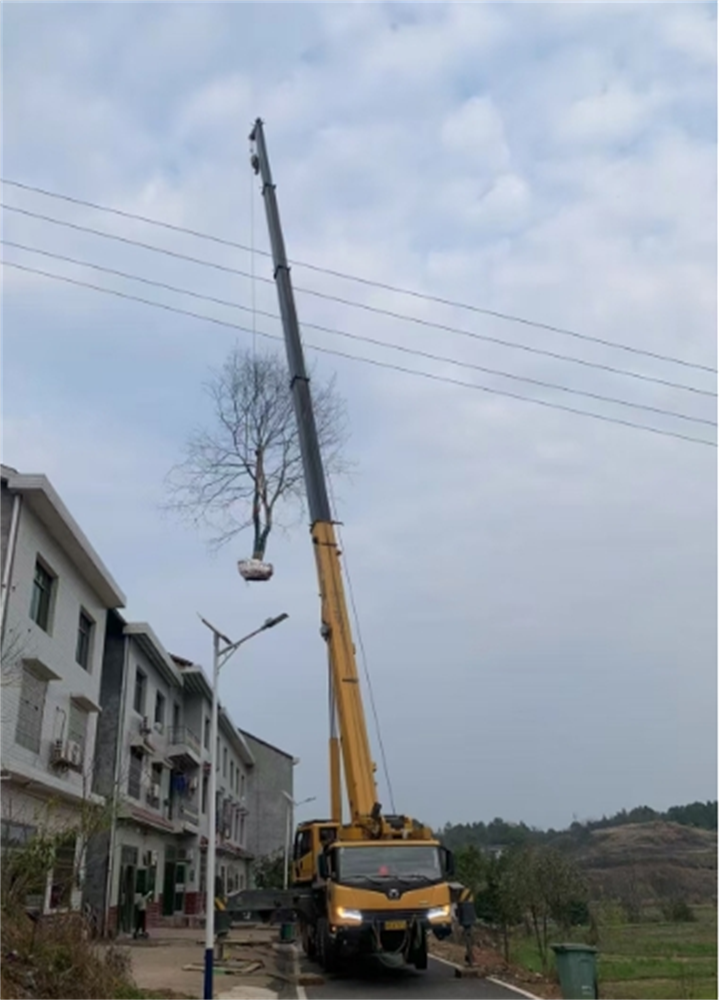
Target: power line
(371, 361)
(368, 340)
(361, 305)
(413, 293)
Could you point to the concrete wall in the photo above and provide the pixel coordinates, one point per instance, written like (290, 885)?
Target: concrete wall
(267, 807)
(6, 508)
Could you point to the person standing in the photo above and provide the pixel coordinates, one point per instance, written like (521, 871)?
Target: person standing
(141, 903)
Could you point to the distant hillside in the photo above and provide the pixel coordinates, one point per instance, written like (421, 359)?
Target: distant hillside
(638, 856)
(650, 861)
(499, 833)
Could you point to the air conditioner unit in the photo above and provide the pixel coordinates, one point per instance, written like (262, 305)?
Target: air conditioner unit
(155, 791)
(68, 754)
(193, 784)
(75, 753)
(184, 854)
(153, 858)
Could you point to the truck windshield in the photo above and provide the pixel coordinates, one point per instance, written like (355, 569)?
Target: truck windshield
(397, 862)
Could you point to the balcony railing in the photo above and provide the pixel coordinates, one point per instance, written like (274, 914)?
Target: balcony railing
(179, 735)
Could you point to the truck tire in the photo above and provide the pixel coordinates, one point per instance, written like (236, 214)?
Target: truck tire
(326, 948)
(420, 956)
(307, 938)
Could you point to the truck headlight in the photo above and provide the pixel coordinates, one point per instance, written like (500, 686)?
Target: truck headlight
(353, 916)
(439, 913)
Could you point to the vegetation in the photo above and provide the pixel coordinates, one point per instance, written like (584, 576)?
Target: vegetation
(499, 833)
(235, 475)
(268, 871)
(654, 959)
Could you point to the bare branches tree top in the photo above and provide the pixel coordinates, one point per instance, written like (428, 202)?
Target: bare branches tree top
(245, 469)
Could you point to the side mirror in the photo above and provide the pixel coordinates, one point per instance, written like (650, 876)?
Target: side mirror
(449, 863)
(322, 866)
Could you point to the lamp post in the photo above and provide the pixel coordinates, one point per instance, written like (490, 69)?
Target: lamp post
(288, 829)
(221, 654)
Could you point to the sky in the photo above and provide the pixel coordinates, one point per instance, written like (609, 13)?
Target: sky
(536, 590)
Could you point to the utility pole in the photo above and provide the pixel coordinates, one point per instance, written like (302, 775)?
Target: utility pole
(221, 654)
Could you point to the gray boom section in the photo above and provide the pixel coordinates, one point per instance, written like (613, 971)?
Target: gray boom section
(315, 485)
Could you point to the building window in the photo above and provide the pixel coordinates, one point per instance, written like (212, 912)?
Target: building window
(159, 709)
(41, 596)
(77, 725)
(225, 759)
(155, 793)
(217, 754)
(139, 697)
(206, 734)
(30, 714)
(242, 786)
(241, 838)
(204, 796)
(135, 776)
(84, 640)
(232, 775)
(176, 716)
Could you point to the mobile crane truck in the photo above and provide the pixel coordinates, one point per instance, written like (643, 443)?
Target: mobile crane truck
(377, 884)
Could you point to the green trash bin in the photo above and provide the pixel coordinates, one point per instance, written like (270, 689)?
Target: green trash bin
(577, 969)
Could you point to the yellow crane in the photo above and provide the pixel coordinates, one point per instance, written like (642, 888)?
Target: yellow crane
(376, 884)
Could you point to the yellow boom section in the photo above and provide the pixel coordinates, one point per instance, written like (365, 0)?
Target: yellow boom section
(358, 765)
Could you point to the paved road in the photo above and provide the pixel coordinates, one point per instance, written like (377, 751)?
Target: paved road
(438, 982)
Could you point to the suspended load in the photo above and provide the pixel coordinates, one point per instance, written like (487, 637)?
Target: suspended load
(254, 570)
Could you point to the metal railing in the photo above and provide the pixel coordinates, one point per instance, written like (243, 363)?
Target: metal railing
(183, 734)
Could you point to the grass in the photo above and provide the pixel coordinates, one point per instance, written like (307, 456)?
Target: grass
(653, 960)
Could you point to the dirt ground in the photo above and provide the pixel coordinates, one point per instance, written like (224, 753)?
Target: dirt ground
(170, 963)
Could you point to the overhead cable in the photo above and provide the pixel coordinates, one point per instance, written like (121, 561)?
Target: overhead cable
(413, 293)
(360, 337)
(371, 361)
(361, 305)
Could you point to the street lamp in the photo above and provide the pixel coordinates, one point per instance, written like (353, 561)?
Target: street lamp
(221, 654)
(288, 829)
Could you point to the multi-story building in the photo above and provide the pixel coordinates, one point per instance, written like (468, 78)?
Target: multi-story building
(154, 765)
(97, 714)
(56, 593)
(270, 783)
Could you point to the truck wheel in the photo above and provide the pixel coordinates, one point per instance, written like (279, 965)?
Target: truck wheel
(420, 958)
(307, 938)
(327, 950)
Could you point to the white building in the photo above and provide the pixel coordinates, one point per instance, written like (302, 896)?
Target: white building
(153, 763)
(56, 593)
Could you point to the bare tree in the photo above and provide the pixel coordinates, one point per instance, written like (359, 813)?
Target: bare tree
(234, 476)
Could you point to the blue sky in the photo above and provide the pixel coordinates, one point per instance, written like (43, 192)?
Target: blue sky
(536, 590)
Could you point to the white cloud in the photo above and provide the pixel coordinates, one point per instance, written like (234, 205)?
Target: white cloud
(475, 131)
(615, 115)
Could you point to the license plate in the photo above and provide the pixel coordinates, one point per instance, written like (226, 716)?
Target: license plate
(395, 925)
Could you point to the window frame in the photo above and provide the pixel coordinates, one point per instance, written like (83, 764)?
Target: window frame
(88, 636)
(161, 703)
(27, 725)
(141, 677)
(37, 603)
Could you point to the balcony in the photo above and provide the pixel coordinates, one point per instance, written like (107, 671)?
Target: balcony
(187, 817)
(183, 748)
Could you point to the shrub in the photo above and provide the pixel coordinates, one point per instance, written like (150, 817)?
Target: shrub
(677, 911)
